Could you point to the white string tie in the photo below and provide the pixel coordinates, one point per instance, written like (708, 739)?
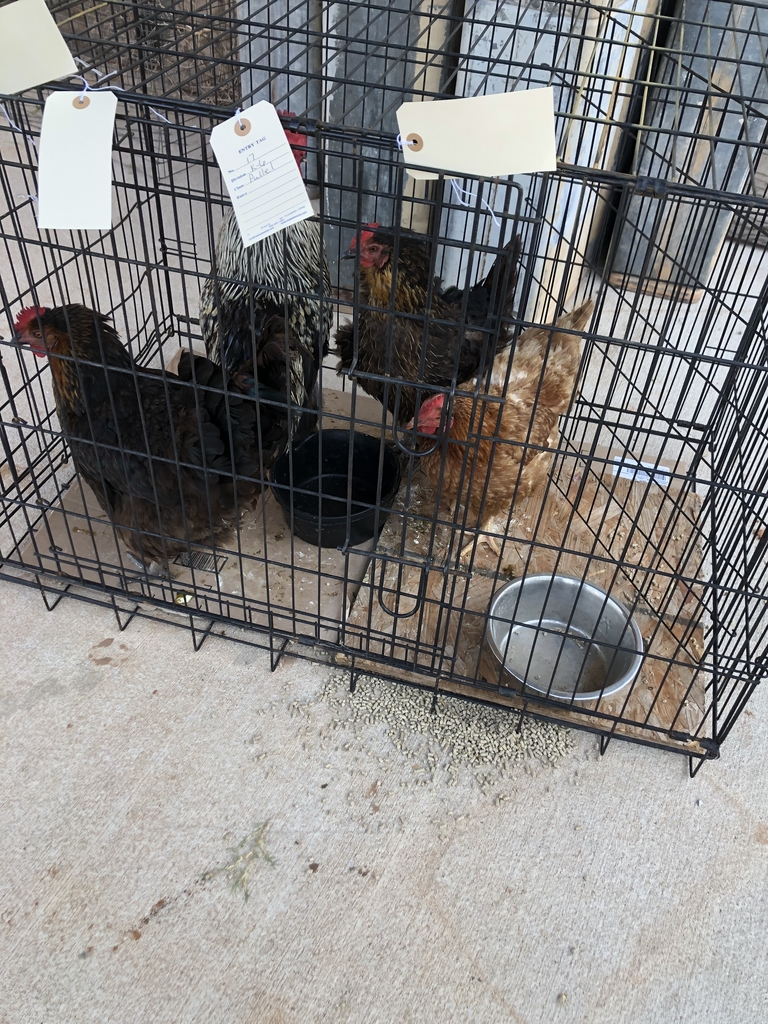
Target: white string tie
(96, 88)
(15, 127)
(458, 192)
(239, 119)
(9, 119)
(401, 142)
(161, 116)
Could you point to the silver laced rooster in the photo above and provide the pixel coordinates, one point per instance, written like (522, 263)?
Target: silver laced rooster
(266, 317)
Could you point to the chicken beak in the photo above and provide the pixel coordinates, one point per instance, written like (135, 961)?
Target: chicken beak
(349, 254)
(18, 341)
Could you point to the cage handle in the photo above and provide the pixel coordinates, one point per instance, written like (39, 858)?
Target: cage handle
(418, 597)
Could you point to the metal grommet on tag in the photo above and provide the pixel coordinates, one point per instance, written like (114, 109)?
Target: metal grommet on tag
(415, 142)
(242, 126)
(80, 102)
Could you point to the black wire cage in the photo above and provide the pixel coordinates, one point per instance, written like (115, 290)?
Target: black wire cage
(652, 501)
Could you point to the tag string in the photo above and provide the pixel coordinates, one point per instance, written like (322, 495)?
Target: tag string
(458, 192)
(97, 88)
(88, 88)
(239, 119)
(161, 116)
(15, 127)
(10, 120)
(103, 78)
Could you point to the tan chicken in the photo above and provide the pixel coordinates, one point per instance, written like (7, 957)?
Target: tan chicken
(497, 453)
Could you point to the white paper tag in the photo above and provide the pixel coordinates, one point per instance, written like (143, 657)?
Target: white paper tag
(260, 171)
(32, 50)
(481, 137)
(625, 468)
(74, 178)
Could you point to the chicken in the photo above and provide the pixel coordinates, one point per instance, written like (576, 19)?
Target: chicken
(497, 453)
(170, 460)
(286, 276)
(393, 345)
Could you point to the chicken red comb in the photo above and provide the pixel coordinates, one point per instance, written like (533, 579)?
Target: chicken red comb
(27, 315)
(296, 140)
(364, 236)
(433, 402)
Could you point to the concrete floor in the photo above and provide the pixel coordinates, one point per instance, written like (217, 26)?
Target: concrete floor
(597, 890)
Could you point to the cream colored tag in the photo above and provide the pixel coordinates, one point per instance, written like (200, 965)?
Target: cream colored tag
(74, 179)
(32, 50)
(481, 137)
(261, 174)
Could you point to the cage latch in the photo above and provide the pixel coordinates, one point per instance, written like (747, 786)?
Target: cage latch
(654, 187)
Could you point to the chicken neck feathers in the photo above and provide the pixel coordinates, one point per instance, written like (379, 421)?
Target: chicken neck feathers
(285, 274)
(281, 277)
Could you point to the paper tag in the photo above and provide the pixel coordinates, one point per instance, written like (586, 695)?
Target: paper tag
(260, 171)
(481, 137)
(32, 50)
(623, 466)
(74, 178)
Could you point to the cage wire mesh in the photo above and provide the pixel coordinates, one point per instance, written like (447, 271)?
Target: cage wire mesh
(644, 475)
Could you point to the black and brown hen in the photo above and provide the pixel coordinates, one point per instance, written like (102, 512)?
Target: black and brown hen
(170, 460)
(391, 324)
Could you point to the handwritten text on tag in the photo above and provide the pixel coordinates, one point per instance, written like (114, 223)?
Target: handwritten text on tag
(481, 137)
(261, 172)
(32, 50)
(74, 183)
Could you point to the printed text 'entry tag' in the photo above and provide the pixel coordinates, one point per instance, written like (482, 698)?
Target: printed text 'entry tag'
(32, 50)
(74, 182)
(481, 137)
(261, 172)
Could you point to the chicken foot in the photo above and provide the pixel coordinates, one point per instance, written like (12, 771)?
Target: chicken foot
(488, 524)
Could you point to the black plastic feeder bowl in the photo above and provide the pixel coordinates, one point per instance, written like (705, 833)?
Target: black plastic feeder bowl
(321, 519)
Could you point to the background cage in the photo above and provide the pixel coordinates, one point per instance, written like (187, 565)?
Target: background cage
(657, 490)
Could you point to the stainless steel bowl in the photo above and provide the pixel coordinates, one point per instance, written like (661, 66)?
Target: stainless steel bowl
(563, 637)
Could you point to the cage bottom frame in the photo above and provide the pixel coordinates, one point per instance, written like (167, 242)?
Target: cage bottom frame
(202, 625)
(361, 634)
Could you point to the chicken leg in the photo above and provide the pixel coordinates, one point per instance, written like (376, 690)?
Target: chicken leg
(488, 524)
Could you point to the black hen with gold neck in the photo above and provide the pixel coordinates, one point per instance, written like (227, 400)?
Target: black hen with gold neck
(410, 330)
(171, 460)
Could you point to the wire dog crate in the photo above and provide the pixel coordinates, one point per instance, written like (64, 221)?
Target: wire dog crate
(655, 489)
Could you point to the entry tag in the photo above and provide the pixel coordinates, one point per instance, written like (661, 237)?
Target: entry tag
(260, 171)
(74, 179)
(32, 50)
(481, 137)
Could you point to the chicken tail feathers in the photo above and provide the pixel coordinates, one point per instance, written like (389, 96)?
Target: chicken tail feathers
(559, 347)
(490, 306)
(503, 272)
(228, 434)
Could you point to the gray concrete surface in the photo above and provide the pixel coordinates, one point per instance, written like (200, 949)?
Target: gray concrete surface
(595, 890)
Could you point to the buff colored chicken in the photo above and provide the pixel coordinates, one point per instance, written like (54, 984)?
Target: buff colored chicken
(497, 453)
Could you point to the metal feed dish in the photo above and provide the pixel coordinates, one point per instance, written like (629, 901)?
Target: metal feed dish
(563, 637)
